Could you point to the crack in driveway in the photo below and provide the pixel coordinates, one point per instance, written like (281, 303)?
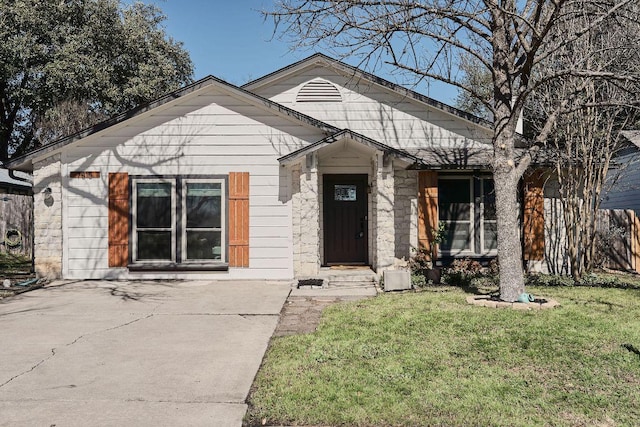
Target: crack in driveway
(53, 350)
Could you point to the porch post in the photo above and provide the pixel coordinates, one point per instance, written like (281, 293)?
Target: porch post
(383, 208)
(308, 211)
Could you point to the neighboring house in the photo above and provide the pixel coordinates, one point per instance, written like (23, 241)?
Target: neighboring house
(16, 210)
(316, 164)
(622, 190)
(12, 182)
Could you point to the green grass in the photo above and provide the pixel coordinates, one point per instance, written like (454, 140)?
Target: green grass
(428, 358)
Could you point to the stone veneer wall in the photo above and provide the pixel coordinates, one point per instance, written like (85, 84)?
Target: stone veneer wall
(394, 216)
(306, 220)
(405, 214)
(384, 214)
(47, 247)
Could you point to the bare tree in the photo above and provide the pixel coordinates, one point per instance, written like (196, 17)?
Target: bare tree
(479, 78)
(588, 133)
(509, 38)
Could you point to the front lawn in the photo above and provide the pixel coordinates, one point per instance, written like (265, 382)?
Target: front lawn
(428, 358)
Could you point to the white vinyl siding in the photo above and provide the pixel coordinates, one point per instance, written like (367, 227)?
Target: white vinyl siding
(209, 134)
(378, 112)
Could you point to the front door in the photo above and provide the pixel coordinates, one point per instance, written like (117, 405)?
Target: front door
(345, 219)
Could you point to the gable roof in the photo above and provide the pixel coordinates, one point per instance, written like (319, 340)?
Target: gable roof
(349, 134)
(24, 162)
(419, 158)
(320, 58)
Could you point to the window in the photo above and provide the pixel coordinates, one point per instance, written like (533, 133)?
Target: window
(178, 220)
(466, 206)
(489, 223)
(455, 211)
(155, 228)
(202, 220)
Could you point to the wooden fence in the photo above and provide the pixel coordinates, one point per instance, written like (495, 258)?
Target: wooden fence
(619, 239)
(16, 224)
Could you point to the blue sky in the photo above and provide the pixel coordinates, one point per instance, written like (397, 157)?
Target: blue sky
(231, 40)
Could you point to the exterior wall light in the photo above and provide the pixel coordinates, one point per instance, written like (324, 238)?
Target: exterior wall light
(48, 197)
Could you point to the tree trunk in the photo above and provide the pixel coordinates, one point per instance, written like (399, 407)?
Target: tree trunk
(506, 180)
(4, 144)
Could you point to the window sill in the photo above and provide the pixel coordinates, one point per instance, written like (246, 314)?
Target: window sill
(163, 266)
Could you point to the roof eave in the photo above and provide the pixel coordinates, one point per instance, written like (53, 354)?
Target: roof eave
(347, 134)
(25, 161)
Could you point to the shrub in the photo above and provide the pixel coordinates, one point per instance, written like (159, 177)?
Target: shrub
(549, 280)
(420, 262)
(462, 272)
(594, 280)
(418, 280)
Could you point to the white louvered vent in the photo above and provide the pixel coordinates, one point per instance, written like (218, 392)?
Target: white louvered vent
(319, 91)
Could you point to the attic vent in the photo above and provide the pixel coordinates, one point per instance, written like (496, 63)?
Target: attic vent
(319, 91)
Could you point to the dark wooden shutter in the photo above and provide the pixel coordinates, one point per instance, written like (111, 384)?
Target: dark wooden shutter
(239, 219)
(118, 219)
(533, 216)
(427, 209)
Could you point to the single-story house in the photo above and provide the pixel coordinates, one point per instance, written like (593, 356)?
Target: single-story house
(314, 165)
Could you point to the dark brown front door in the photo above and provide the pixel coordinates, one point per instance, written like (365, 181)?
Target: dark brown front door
(345, 219)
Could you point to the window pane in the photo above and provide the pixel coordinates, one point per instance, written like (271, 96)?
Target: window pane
(203, 205)
(345, 193)
(154, 245)
(489, 199)
(456, 237)
(454, 199)
(153, 205)
(204, 245)
(490, 235)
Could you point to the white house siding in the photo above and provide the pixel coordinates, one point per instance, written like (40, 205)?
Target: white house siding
(622, 190)
(210, 134)
(377, 112)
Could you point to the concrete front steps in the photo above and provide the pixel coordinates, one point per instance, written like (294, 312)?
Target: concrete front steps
(339, 282)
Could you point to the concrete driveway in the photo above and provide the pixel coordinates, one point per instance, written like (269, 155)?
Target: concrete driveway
(131, 353)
